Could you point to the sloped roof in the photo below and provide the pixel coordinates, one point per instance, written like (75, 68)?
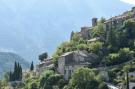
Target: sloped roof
(83, 57)
(82, 53)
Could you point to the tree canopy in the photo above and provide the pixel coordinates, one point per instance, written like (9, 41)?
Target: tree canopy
(43, 56)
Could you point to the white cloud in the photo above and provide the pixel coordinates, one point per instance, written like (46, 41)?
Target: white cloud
(129, 1)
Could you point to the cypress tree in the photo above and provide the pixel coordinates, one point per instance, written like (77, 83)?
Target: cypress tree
(10, 76)
(20, 73)
(32, 66)
(17, 73)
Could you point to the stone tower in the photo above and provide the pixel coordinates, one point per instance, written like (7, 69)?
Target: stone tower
(94, 22)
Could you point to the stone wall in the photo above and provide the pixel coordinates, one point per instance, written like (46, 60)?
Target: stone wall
(85, 33)
(94, 22)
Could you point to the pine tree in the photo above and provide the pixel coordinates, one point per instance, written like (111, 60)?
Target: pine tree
(32, 66)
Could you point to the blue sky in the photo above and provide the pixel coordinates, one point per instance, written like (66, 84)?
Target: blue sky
(30, 27)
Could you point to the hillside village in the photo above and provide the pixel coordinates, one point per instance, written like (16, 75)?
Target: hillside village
(106, 50)
(70, 61)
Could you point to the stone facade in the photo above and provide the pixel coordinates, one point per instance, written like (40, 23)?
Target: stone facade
(70, 61)
(112, 23)
(46, 64)
(116, 21)
(85, 32)
(94, 22)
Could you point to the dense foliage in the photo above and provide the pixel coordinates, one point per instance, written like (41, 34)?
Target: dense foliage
(115, 46)
(43, 56)
(85, 78)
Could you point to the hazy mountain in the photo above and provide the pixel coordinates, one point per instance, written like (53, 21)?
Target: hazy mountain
(7, 60)
(30, 27)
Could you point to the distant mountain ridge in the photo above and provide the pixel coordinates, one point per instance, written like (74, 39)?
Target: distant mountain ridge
(31, 30)
(7, 60)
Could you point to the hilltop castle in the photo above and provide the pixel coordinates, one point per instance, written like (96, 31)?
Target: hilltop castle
(112, 23)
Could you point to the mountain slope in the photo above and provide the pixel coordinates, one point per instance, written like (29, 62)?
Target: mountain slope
(7, 60)
(30, 27)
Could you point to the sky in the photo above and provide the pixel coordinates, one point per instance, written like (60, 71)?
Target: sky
(132, 2)
(30, 27)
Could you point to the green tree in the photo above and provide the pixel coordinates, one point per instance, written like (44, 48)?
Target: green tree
(75, 37)
(44, 77)
(102, 20)
(112, 59)
(95, 47)
(123, 55)
(32, 66)
(98, 30)
(126, 54)
(16, 75)
(84, 78)
(43, 56)
(52, 80)
(82, 47)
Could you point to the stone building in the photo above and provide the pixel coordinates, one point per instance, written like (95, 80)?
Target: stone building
(112, 23)
(70, 61)
(46, 64)
(94, 22)
(85, 32)
(117, 21)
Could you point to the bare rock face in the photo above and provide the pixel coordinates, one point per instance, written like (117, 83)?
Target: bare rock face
(7, 60)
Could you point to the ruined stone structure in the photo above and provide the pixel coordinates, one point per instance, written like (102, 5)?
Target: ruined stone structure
(112, 23)
(46, 64)
(94, 22)
(85, 32)
(117, 21)
(70, 61)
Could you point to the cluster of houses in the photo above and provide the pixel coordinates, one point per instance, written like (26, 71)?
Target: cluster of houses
(70, 61)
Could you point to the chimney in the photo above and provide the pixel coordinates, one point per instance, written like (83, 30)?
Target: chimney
(94, 22)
